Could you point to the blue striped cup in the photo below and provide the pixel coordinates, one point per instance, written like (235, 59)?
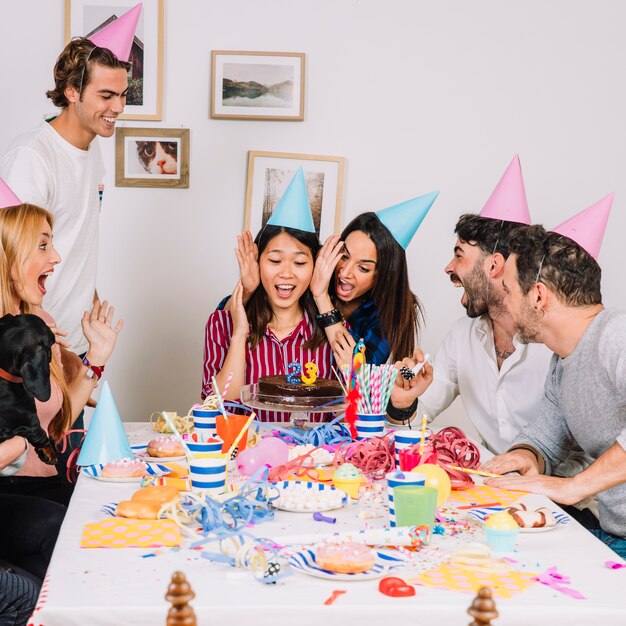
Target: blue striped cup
(370, 425)
(208, 475)
(204, 422)
(396, 479)
(198, 448)
(407, 438)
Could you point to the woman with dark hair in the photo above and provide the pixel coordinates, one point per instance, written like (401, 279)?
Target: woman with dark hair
(266, 327)
(362, 277)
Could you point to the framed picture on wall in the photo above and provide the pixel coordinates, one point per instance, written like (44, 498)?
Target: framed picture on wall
(257, 85)
(145, 77)
(269, 173)
(152, 157)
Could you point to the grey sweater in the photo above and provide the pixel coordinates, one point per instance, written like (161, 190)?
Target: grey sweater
(585, 401)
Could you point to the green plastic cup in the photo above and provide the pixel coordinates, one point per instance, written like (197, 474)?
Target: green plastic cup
(415, 506)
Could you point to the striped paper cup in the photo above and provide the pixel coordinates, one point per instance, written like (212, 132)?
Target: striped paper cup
(372, 417)
(204, 422)
(208, 475)
(370, 425)
(396, 479)
(212, 446)
(407, 438)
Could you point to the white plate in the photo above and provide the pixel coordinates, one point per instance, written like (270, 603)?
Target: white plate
(141, 453)
(288, 485)
(560, 520)
(385, 561)
(131, 479)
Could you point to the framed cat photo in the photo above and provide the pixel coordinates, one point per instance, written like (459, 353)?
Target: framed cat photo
(145, 78)
(152, 157)
(257, 85)
(269, 174)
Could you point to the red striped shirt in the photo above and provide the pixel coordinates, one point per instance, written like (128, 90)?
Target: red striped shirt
(270, 357)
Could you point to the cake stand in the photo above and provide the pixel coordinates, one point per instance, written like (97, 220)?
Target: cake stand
(299, 407)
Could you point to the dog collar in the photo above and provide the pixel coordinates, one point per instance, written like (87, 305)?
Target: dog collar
(12, 379)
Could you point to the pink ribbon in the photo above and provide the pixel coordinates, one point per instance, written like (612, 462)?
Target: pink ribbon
(551, 578)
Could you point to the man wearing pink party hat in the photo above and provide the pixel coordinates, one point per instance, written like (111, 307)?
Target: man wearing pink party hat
(58, 164)
(552, 291)
(499, 379)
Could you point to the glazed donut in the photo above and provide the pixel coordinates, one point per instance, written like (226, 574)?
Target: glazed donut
(156, 494)
(134, 509)
(164, 446)
(344, 558)
(124, 468)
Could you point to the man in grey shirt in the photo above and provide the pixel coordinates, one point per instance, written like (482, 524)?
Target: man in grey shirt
(552, 287)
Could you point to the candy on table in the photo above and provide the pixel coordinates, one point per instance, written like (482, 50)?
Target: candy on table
(302, 498)
(318, 455)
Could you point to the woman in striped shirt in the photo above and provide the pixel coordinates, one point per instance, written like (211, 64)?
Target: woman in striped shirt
(261, 334)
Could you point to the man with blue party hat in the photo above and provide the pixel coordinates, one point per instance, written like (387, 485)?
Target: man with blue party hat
(499, 379)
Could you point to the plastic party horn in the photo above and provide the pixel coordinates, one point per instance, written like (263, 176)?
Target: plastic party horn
(415, 506)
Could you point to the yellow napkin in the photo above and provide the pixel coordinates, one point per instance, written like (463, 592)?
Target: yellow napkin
(130, 533)
(482, 494)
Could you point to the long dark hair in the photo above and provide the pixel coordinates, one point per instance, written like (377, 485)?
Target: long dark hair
(258, 307)
(400, 312)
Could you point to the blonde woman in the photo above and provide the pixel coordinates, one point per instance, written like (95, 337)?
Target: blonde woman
(27, 258)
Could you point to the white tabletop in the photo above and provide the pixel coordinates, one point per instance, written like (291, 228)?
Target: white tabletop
(124, 586)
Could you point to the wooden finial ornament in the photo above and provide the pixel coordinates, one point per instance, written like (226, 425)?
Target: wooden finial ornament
(483, 608)
(179, 593)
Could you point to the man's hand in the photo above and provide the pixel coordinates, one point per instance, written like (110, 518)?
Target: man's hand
(405, 391)
(561, 490)
(522, 461)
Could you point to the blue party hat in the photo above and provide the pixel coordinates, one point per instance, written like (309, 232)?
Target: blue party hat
(106, 440)
(293, 209)
(402, 220)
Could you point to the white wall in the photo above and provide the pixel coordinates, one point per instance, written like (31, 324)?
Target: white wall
(416, 95)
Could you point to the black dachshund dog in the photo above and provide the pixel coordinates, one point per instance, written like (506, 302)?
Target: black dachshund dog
(25, 353)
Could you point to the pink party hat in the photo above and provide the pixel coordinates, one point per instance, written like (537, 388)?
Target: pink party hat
(587, 227)
(7, 197)
(119, 34)
(508, 200)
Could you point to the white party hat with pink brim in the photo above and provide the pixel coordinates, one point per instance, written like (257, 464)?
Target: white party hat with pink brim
(508, 200)
(7, 197)
(587, 227)
(106, 439)
(119, 34)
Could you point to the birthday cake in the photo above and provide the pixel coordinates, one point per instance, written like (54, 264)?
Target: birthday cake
(278, 386)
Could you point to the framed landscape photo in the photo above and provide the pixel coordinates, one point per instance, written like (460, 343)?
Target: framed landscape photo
(152, 157)
(257, 85)
(145, 77)
(269, 173)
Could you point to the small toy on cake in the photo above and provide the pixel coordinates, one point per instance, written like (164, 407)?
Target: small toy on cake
(165, 446)
(539, 518)
(345, 557)
(124, 468)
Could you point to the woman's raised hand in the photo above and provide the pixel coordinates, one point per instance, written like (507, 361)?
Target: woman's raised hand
(241, 326)
(100, 333)
(248, 258)
(325, 264)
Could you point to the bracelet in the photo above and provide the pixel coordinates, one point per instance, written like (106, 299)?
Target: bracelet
(96, 369)
(329, 318)
(401, 415)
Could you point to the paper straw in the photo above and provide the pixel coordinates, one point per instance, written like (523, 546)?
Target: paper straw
(227, 384)
(473, 471)
(424, 422)
(343, 387)
(169, 422)
(219, 397)
(239, 436)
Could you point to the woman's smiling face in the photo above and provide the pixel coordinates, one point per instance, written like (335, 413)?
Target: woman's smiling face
(356, 271)
(286, 267)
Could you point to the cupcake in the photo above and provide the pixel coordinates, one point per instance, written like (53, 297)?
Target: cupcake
(348, 478)
(501, 530)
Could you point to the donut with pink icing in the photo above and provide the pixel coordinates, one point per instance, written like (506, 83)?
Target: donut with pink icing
(124, 468)
(346, 557)
(165, 446)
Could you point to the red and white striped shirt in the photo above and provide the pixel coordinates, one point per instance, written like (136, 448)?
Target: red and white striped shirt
(270, 357)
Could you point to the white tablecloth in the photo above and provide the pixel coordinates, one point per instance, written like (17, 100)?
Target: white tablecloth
(98, 587)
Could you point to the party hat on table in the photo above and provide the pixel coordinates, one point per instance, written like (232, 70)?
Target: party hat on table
(587, 227)
(293, 209)
(7, 197)
(106, 440)
(508, 200)
(402, 220)
(119, 34)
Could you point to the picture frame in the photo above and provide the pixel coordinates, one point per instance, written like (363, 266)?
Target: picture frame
(152, 157)
(269, 173)
(257, 85)
(145, 93)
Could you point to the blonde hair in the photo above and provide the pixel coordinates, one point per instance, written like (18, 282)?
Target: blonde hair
(19, 238)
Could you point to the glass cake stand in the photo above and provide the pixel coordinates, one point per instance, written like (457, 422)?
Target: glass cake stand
(299, 407)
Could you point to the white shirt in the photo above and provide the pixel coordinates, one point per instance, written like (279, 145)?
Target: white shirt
(499, 403)
(44, 169)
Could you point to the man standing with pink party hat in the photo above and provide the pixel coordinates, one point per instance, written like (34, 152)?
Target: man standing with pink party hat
(499, 379)
(552, 291)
